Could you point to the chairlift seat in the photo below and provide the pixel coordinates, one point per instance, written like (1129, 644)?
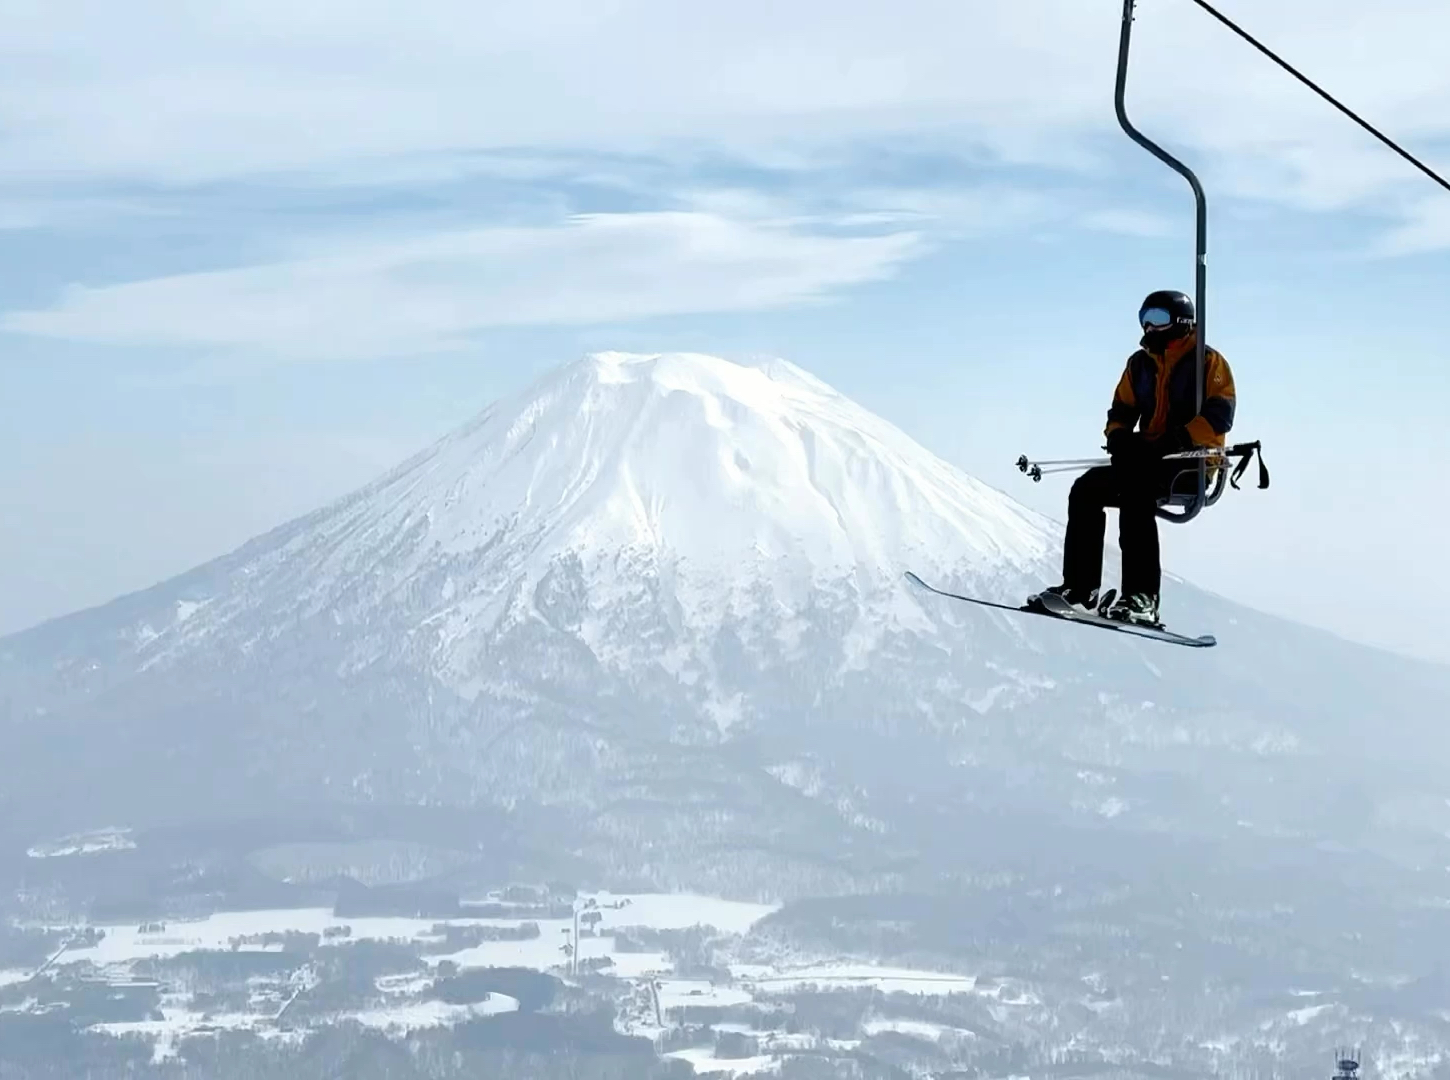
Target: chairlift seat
(1180, 505)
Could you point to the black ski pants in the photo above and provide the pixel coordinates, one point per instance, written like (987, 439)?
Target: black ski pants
(1134, 489)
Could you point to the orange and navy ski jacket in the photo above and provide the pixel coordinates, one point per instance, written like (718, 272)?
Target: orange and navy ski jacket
(1156, 392)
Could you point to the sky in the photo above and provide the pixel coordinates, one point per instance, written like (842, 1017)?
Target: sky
(255, 252)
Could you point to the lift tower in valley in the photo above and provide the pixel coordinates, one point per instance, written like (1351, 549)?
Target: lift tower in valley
(1346, 1065)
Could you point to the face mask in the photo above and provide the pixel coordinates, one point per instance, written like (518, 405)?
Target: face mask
(1157, 340)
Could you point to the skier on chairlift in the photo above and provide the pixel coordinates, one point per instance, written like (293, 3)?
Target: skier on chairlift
(1154, 413)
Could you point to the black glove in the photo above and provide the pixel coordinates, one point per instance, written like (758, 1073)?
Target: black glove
(1127, 448)
(1175, 441)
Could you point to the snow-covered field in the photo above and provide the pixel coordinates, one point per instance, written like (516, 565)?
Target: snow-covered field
(920, 1029)
(889, 980)
(178, 1019)
(545, 953)
(89, 843)
(124, 943)
(688, 993)
(402, 1019)
(680, 911)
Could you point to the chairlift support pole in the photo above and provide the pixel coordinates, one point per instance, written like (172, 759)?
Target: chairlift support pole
(1201, 244)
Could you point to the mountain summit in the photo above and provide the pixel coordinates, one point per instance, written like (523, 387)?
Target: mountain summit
(656, 602)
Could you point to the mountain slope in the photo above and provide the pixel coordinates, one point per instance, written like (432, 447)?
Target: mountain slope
(655, 605)
(715, 479)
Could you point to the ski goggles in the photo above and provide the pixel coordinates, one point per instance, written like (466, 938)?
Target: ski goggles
(1155, 318)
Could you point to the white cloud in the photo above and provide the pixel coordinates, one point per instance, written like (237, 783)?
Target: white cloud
(428, 293)
(262, 84)
(956, 211)
(947, 210)
(92, 87)
(319, 93)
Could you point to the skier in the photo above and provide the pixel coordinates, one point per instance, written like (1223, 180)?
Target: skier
(1156, 391)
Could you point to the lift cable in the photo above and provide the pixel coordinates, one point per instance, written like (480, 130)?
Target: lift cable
(1241, 32)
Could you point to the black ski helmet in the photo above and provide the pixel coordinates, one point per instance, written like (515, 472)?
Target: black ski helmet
(1167, 310)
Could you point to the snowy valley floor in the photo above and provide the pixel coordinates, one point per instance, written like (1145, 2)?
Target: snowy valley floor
(176, 974)
(706, 984)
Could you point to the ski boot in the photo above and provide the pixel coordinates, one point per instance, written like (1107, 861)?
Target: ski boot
(1140, 609)
(1084, 600)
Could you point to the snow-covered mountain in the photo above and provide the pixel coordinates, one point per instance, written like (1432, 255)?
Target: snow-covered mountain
(711, 493)
(654, 608)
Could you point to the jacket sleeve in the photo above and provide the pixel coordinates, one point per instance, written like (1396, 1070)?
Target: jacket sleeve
(1124, 411)
(1217, 415)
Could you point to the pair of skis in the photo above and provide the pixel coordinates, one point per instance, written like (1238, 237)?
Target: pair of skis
(1055, 608)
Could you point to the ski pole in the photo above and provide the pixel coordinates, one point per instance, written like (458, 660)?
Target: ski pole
(1036, 470)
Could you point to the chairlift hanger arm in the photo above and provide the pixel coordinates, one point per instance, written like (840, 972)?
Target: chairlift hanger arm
(1200, 235)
